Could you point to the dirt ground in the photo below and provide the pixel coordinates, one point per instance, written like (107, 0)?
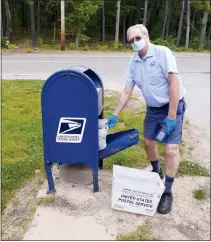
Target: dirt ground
(76, 213)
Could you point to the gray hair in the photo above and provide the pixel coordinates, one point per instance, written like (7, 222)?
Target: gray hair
(141, 27)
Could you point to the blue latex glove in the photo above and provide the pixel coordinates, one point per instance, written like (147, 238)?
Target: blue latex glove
(112, 120)
(170, 124)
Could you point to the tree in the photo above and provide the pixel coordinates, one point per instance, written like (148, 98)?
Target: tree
(188, 24)
(31, 4)
(62, 25)
(145, 13)
(81, 12)
(117, 21)
(38, 18)
(180, 24)
(103, 22)
(8, 17)
(204, 25)
(165, 19)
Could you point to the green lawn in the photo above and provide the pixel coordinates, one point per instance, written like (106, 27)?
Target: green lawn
(22, 146)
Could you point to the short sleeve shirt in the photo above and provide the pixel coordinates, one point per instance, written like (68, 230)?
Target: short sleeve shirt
(150, 74)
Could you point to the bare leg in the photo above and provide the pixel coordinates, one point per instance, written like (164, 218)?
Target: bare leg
(151, 149)
(171, 159)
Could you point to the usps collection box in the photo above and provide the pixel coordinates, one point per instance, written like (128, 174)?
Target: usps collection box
(136, 190)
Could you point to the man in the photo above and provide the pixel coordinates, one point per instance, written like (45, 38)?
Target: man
(153, 69)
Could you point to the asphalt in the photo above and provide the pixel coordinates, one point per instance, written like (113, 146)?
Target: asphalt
(194, 69)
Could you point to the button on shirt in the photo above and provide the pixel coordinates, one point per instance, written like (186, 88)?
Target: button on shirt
(150, 74)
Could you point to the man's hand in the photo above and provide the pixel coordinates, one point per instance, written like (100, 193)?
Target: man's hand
(112, 120)
(170, 124)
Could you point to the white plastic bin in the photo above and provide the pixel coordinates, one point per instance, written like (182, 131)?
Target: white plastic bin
(103, 131)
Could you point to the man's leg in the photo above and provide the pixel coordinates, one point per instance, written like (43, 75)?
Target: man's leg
(152, 155)
(171, 160)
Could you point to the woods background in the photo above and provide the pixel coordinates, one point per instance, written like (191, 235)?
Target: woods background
(90, 24)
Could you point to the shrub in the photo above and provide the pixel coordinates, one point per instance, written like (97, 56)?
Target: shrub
(71, 46)
(117, 46)
(3, 42)
(102, 47)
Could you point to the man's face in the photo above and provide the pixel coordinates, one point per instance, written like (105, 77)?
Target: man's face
(134, 35)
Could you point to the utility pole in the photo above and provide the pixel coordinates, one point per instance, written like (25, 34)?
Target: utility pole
(62, 25)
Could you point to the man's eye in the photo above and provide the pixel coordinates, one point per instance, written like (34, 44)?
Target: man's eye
(138, 38)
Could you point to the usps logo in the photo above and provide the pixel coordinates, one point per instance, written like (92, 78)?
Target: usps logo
(152, 64)
(70, 130)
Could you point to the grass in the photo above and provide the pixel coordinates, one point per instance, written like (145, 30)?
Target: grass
(22, 151)
(46, 201)
(188, 168)
(140, 234)
(22, 147)
(200, 194)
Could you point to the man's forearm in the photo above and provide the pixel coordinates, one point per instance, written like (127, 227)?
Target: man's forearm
(124, 97)
(173, 95)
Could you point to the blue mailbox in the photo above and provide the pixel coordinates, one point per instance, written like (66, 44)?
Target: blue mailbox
(72, 103)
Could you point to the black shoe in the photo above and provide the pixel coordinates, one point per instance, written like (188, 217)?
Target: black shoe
(165, 204)
(160, 173)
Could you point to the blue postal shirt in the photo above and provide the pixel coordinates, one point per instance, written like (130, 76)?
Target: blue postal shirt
(150, 74)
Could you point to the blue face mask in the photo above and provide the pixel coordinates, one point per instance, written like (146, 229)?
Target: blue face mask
(139, 45)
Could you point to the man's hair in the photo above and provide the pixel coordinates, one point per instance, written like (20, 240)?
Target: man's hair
(141, 27)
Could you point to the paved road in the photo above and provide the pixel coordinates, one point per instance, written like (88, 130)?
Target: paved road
(194, 70)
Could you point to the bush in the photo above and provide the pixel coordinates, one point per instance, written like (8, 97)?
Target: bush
(84, 48)
(71, 46)
(3, 42)
(28, 50)
(168, 41)
(117, 46)
(102, 47)
(39, 41)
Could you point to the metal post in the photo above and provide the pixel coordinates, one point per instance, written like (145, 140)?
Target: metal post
(62, 25)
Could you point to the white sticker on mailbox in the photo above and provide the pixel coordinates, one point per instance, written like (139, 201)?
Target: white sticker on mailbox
(70, 130)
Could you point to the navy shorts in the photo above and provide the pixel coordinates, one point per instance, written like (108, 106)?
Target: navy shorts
(154, 118)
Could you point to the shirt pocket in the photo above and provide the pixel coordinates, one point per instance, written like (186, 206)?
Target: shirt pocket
(155, 76)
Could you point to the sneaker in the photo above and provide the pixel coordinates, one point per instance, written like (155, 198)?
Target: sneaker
(165, 204)
(160, 173)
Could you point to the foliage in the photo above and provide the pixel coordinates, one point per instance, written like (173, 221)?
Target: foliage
(3, 42)
(84, 20)
(141, 234)
(188, 168)
(200, 194)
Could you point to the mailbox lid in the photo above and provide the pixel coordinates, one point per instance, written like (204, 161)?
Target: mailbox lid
(119, 141)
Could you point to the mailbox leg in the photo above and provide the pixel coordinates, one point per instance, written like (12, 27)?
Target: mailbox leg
(49, 177)
(100, 164)
(95, 180)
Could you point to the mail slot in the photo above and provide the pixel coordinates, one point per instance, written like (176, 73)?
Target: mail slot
(72, 103)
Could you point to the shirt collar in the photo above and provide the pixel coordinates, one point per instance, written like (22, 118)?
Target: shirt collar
(150, 53)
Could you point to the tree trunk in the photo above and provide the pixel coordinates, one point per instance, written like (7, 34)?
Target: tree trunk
(208, 38)
(145, 13)
(8, 17)
(31, 3)
(188, 24)
(180, 24)
(117, 21)
(203, 29)
(38, 18)
(77, 40)
(62, 25)
(168, 25)
(192, 27)
(123, 30)
(165, 19)
(103, 22)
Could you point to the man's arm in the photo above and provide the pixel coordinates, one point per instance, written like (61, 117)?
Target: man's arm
(123, 99)
(174, 90)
